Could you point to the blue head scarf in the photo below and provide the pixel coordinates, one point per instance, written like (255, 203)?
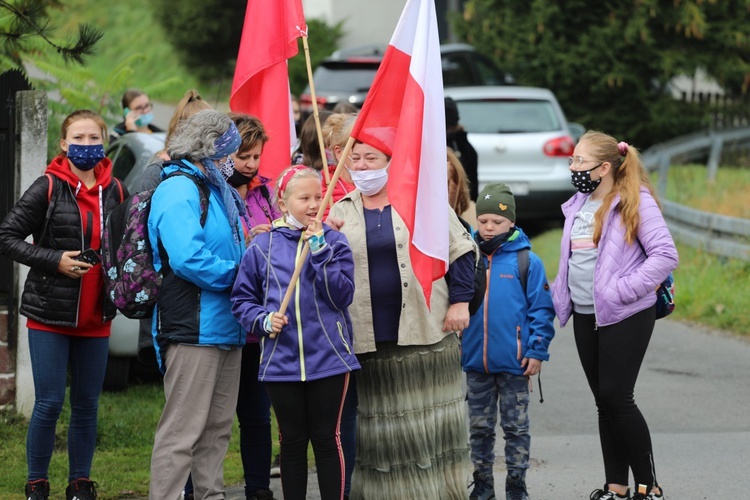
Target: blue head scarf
(226, 144)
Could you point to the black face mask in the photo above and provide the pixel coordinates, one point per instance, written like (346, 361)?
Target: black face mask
(238, 179)
(581, 179)
(488, 247)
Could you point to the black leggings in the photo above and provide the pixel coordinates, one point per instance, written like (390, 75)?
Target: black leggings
(310, 412)
(611, 357)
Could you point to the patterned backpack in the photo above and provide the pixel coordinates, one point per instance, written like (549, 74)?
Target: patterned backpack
(130, 279)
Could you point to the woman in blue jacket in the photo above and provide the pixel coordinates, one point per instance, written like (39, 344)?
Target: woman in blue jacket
(306, 365)
(198, 248)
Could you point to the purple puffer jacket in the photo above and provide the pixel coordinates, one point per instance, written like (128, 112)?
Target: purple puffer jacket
(259, 209)
(625, 278)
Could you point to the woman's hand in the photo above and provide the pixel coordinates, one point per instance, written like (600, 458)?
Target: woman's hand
(130, 120)
(70, 267)
(533, 366)
(335, 223)
(260, 228)
(457, 317)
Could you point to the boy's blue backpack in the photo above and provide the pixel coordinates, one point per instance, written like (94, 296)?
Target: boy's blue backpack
(130, 279)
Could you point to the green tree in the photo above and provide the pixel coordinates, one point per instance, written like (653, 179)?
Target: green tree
(25, 28)
(205, 33)
(610, 63)
(209, 46)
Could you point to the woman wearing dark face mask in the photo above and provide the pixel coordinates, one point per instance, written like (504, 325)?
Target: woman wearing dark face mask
(68, 315)
(615, 251)
(253, 403)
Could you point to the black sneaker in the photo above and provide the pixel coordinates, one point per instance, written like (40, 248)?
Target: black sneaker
(81, 489)
(515, 487)
(261, 495)
(484, 487)
(276, 466)
(650, 496)
(37, 490)
(606, 494)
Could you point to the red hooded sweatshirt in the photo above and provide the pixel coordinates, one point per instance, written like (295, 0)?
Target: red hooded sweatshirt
(90, 315)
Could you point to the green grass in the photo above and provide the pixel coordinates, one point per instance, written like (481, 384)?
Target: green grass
(127, 421)
(687, 185)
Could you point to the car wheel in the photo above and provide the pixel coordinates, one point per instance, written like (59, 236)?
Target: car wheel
(116, 376)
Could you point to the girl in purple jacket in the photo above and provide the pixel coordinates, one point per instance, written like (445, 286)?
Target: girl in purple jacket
(306, 366)
(616, 249)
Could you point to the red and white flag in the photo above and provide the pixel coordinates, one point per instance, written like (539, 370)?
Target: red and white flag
(261, 78)
(404, 116)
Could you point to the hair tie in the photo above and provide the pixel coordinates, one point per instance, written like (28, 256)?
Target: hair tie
(622, 147)
(288, 177)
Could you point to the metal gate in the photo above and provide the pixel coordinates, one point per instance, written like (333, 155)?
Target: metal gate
(10, 82)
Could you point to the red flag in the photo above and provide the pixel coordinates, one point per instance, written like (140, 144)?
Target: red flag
(261, 79)
(404, 116)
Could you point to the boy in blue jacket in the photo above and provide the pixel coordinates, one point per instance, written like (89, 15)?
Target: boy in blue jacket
(505, 343)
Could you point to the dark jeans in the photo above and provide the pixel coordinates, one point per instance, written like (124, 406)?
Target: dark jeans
(310, 412)
(51, 355)
(611, 357)
(254, 415)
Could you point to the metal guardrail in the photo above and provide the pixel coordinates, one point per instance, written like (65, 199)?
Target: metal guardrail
(716, 234)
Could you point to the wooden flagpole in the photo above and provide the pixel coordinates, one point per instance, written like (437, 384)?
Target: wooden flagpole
(316, 114)
(305, 246)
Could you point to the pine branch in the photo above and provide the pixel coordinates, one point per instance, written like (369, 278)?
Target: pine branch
(25, 26)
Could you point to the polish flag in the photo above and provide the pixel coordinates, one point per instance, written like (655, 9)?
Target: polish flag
(404, 116)
(261, 78)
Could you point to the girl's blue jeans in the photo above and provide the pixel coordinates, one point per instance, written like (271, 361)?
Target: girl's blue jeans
(51, 356)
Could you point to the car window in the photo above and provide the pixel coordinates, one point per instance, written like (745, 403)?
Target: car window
(488, 116)
(488, 72)
(122, 162)
(349, 78)
(456, 70)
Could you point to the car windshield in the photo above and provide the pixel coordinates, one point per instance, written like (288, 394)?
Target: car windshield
(506, 116)
(350, 78)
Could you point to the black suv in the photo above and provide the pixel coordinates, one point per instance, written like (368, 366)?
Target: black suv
(346, 76)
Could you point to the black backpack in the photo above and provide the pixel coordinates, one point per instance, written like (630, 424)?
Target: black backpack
(131, 281)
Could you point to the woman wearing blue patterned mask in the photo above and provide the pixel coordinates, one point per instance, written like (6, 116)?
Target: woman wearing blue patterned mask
(195, 231)
(68, 317)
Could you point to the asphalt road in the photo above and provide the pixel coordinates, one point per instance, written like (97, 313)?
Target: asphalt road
(694, 391)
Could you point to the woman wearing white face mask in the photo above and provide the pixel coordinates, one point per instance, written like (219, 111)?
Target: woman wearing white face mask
(411, 431)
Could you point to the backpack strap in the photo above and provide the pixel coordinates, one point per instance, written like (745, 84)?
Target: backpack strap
(119, 186)
(523, 267)
(265, 193)
(51, 185)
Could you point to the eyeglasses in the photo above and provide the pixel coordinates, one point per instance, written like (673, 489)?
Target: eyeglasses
(577, 161)
(143, 108)
(369, 160)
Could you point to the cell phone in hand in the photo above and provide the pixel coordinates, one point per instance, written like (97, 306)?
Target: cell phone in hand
(89, 256)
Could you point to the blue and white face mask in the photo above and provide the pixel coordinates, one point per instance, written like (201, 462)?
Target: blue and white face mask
(85, 156)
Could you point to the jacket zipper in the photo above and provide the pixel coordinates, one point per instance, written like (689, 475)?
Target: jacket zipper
(486, 303)
(518, 340)
(303, 375)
